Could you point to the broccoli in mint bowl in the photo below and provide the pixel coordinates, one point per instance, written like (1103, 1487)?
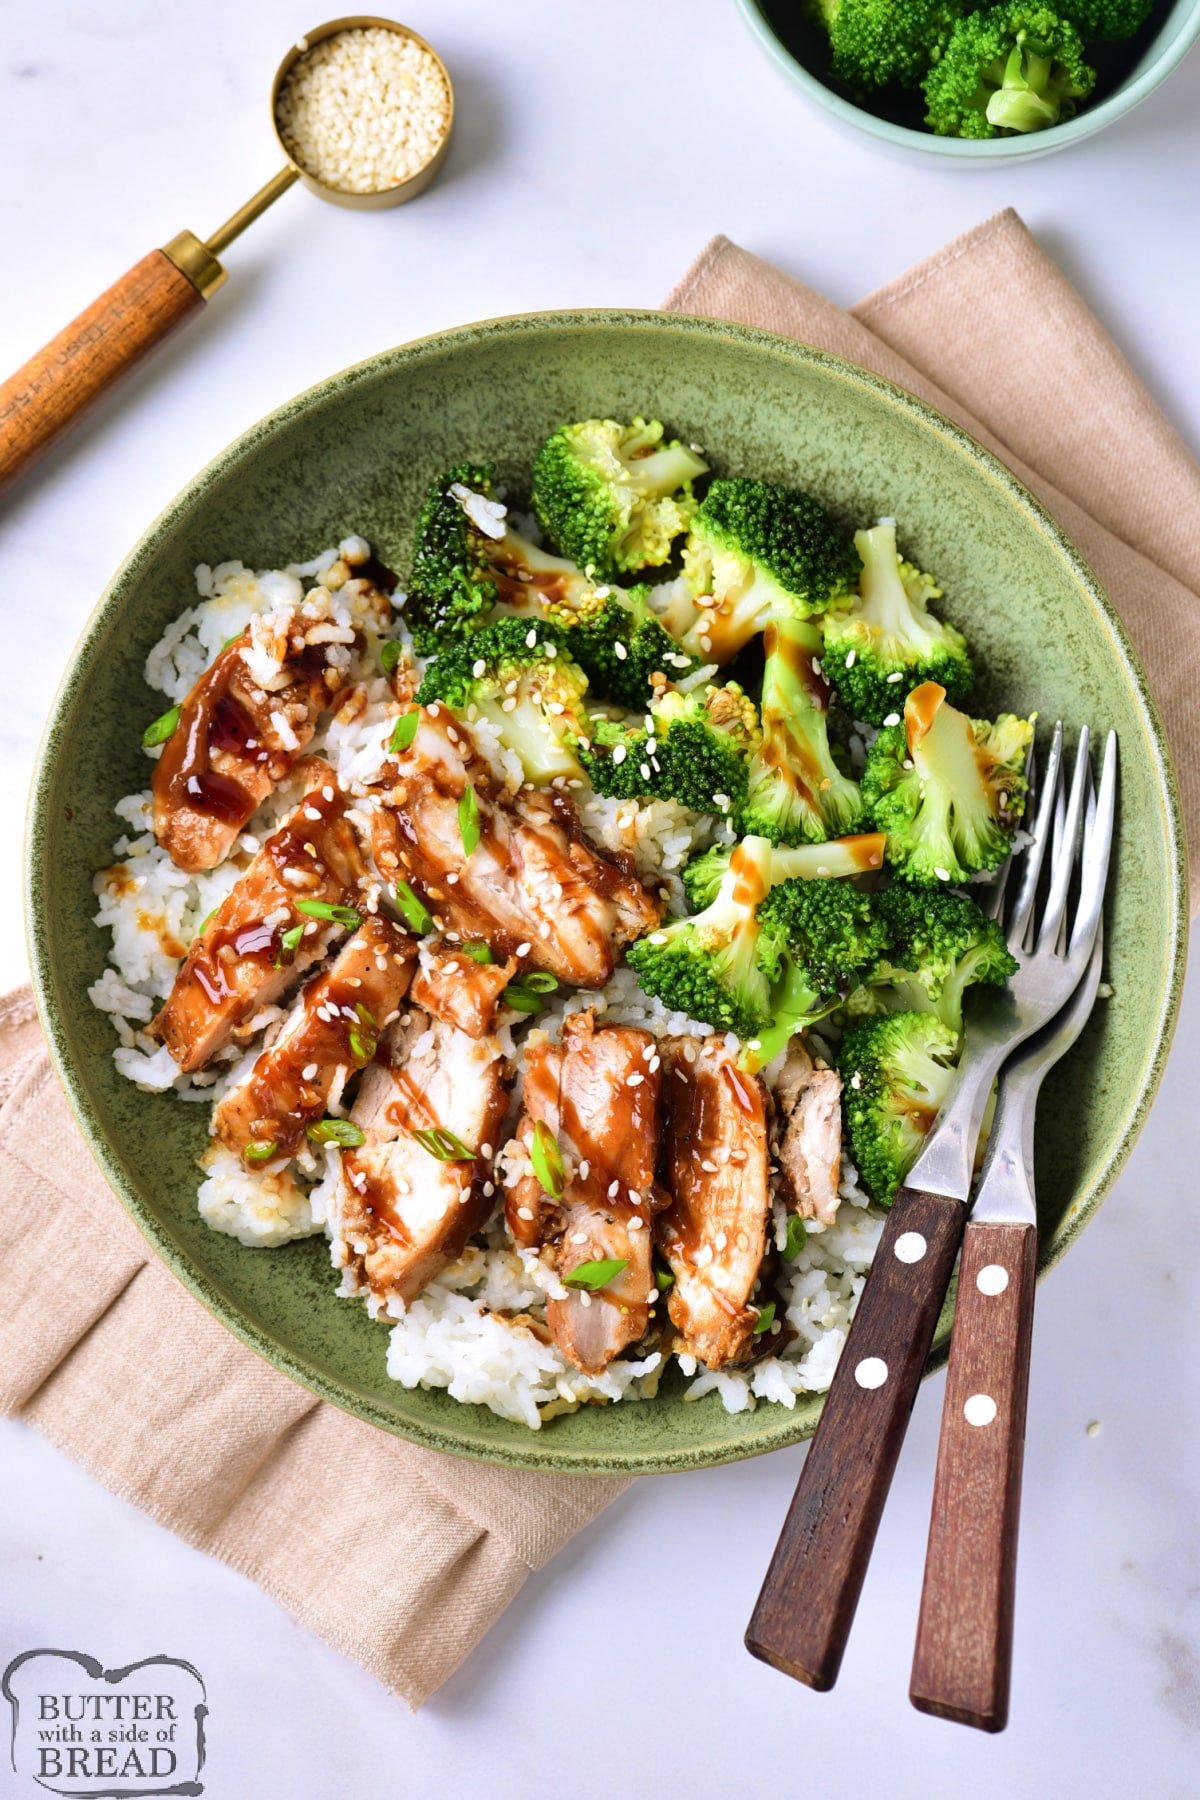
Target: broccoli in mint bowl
(978, 82)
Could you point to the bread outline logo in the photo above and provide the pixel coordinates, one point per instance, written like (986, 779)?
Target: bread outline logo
(91, 1733)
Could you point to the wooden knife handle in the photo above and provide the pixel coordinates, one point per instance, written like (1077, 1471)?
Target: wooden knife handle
(806, 1607)
(65, 379)
(963, 1661)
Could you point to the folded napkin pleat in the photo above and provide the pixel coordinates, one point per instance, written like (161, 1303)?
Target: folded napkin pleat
(398, 1556)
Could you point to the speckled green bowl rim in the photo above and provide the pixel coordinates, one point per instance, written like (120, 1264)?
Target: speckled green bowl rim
(1034, 143)
(776, 1431)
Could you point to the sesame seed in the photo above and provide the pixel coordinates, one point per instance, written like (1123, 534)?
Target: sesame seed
(644, 771)
(531, 639)
(896, 675)
(310, 1071)
(942, 874)
(585, 1169)
(619, 754)
(524, 1212)
(850, 658)
(619, 651)
(524, 949)
(893, 718)
(614, 1188)
(635, 1224)
(479, 668)
(634, 1080)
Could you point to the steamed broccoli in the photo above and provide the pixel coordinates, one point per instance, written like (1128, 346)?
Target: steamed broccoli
(897, 1071)
(947, 790)
(759, 551)
(886, 642)
(938, 945)
(621, 645)
(1105, 21)
(875, 42)
(796, 792)
(858, 855)
(815, 939)
(692, 748)
(1012, 67)
(521, 679)
(708, 966)
(614, 497)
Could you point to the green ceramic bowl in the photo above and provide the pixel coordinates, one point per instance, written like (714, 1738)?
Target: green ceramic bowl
(1127, 73)
(354, 454)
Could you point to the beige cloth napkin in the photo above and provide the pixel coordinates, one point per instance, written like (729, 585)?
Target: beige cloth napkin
(401, 1557)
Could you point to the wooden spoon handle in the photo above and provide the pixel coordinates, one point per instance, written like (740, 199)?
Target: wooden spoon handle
(806, 1607)
(65, 379)
(963, 1661)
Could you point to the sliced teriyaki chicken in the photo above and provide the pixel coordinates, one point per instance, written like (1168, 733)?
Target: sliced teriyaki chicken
(331, 1032)
(597, 1094)
(402, 1212)
(533, 886)
(454, 987)
(716, 1164)
(259, 939)
(809, 1102)
(235, 741)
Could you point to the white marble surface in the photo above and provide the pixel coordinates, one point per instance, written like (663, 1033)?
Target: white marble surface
(599, 147)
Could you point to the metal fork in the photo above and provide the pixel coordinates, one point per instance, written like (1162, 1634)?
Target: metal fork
(804, 1612)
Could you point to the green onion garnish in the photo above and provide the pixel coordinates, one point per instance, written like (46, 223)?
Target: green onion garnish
(480, 953)
(596, 1274)
(364, 1043)
(797, 1237)
(206, 921)
(547, 1160)
(321, 909)
(389, 655)
(539, 982)
(765, 1319)
(259, 1153)
(336, 1131)
(523, 993)
(404, 731)
(230, 640)
(468, 819)
(663, 1280)
(161, 729)
(415, 913)
(289, 943)
(443, 1144)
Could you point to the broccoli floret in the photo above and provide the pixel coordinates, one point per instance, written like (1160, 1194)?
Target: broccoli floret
(759, 551)
(1008, 68)
(614, 497)
(837, 859)
(816, 939)
(621, 644)
(1105, 21)
(887, 642)
(796, 792)
(939, 944)
(897, 1072)
(518, 676)
(708, 966)
(948, 790)
(692, 748)
(876, 42)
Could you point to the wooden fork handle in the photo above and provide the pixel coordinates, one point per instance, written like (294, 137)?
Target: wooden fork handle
(963, 1661)
(804, 1612)
(111, 337)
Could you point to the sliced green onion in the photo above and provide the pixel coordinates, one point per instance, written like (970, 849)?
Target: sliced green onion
(546, 1158)
(336, 1131)
(443, 1144)
(259, 1153)
(520, 999)
(321, 909)
(596, 1274)
(797, 1237)
(362, 1047)
(404, 731)
(206, 921)
(161, 729)
(228, 641)
(663, 1280)
(468, 819)
(390, 653)
(480, 953)
(765, 1319)
(289, 943)
(414, 912)
(539, 982)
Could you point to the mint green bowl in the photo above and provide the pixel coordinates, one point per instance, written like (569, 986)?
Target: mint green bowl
(354, 454)
(1128, 73)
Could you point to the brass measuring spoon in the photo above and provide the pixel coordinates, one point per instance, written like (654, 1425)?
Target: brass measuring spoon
(65, 379)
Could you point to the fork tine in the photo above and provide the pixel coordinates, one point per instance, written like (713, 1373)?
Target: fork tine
(1097, 850)
(1032, 859)
(992, 906)
(1056, 843)
(1063, 865)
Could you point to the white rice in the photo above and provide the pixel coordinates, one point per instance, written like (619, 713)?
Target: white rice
(478, 1329)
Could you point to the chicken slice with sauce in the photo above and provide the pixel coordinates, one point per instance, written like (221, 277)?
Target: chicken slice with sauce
(809, 1103)
(240, 963)
(716, 1165)
(401, 1213)
(452, 985)
(597, 1092)
(332, 1031)
(533, 886)
(234, 743)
